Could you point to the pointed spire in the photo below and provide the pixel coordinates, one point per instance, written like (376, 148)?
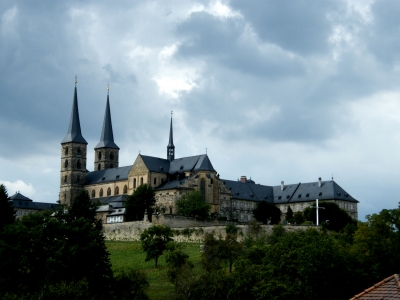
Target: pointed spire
(171, 147)
(74, 131)
(107, 136)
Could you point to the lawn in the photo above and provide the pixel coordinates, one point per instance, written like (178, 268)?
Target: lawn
(126, 255)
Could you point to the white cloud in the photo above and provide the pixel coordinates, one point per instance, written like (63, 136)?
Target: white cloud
(19, 186)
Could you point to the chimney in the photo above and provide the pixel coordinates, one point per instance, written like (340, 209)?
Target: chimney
(319, 182)
(282, 185)
(243, 179)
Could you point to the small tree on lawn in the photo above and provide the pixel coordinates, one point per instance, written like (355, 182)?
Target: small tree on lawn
(7, 212)
(192, 204)
(264, 212)
(154, 241)
(142, 199)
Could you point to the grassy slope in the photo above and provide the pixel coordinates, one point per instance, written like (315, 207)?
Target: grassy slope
(125, 255)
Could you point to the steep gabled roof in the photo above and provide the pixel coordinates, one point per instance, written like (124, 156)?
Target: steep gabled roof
(115, 201)
(107, 175)
(156, 164)
(107, 136)
(19, 196)
(191, 164)
(387, 289)
(22, 202)
(74, 130)
(249, 191)
(204, 164)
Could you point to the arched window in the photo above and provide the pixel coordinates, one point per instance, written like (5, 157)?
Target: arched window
(155, 181)
(78, 164)
(134, 183)
(99, 167)
(112, 156)
(203, 188)
(141, 180)
(66, 151)
(66, 163)
(65, 197)
(111, 165)
(65, 178)
(125, 189)
(109, 192)
(78, 151)
(116, 191)
(162, 180)
(101, 192)
(93, 194)
(99, 155)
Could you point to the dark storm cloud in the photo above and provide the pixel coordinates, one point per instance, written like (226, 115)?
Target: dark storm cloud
(299, 26)
(225, 42)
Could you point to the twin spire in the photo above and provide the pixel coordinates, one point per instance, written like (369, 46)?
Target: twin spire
(171, 147)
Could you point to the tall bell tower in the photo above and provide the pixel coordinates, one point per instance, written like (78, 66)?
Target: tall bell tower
(106, 152)
(73, 157)
(171, 147)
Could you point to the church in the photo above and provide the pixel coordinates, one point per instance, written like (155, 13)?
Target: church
(110, 184)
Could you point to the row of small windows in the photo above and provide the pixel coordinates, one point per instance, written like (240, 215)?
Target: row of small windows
(78, 164)
(116, 192)
(99, 166)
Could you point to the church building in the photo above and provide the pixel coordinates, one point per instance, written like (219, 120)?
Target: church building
(170, 177)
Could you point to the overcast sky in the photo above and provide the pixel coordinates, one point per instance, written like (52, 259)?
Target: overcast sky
(275, 90)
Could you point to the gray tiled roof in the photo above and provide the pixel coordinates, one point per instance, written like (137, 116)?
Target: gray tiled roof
(249, 191)
(74, 130)
(107, 136)
(19, 196)
(156, 164)
(115, 201)
(22, 202)
(300, 192)
(107, 175)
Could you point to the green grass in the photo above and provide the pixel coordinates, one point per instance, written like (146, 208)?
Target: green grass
(129, 255)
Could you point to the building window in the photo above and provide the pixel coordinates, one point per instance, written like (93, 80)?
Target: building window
(111, 165)
(203, 188)
(78, 164)
(112, 156)
(109, 192)
(66, 163)
(101, 192)
(141, 180)
(99, 155)
(78, 151)
(155, 181)
(116, 191)
(93, 194)
(134, 183)
(66, 151)
(125, 189)
(65, 178)
(99, 167)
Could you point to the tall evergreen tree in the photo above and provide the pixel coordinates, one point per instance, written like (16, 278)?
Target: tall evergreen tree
(7, 212)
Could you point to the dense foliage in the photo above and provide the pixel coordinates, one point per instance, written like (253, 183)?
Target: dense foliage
(7, 212)
(139, 202)
(154, 241)
(192, 204)
(266, 212)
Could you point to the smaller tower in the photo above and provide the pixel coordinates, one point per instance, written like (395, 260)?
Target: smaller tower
(73, 157)
(106, 152)
(171, 147)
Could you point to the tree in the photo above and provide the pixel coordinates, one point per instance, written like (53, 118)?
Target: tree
(154, 241)
(265, 211)
(289, 214)
(192, 204)
(43, 250)
(298, 217)
(7, 212)
(142, 199)
(334, 217)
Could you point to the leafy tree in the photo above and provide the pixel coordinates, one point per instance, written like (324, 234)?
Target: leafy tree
(130, 284)
(298, 217)
(192, 204)
(289, 214)
(265, 211)
(41, 250)
(142, 199)
(334, 217)
(7, 212)
(154, 241)
(377, 243)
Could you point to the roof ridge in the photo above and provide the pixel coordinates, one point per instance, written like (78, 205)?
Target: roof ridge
(376, 285)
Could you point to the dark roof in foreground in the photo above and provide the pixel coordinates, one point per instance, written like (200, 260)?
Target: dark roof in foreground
(22, 202)
(387, 289)
(115, 201)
